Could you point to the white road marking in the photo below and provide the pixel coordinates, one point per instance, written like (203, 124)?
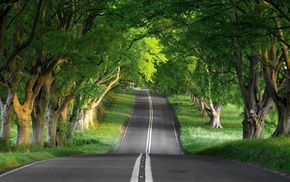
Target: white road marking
(175, 132)
(142, 98)
(135, 172)
(149, 133)
(25, 166)
(148, 171)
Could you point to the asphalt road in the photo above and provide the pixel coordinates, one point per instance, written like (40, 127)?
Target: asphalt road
(151, 127)
(149, 151)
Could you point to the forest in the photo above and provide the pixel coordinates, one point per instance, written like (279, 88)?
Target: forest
(59, 59)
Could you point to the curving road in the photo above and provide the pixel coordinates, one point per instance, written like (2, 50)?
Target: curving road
(149, 151)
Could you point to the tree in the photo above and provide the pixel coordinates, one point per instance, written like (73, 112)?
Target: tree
(210, 22)
(13, 60)
(206, 68)
(276, 62)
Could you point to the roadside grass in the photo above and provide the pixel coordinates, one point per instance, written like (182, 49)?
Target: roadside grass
(273, 153)
(195, 132)
(100, 140)
(198, 138)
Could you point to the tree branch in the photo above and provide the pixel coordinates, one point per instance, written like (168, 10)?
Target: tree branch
(278, 9)
(27, 42)
(17, 15)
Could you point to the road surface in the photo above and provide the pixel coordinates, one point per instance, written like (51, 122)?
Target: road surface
(149, 151)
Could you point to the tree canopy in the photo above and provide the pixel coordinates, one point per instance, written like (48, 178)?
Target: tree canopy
(58, 60)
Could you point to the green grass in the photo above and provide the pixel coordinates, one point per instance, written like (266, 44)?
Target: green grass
(93, 141)
(195, 132)
(271, 152)
(198, 138)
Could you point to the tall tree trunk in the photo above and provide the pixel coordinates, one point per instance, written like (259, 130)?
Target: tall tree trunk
(56, 110)
(279, 89)
(23, 130)
(23, 113)
(24, 110)
(283, 126)
(62, 128)
(51, 122)
(257, 100)
(38, 124)
(75, 116)
(39, 118)
(6, 118)
(39, 112)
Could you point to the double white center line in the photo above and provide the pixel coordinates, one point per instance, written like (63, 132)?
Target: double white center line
(142, 167)
(149, 133)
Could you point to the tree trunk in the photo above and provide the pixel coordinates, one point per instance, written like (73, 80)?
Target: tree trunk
(254, 119)
(59, 109)
(23, 113)
(90, 115)
(194, 98)
(62, 128)
(80, 121)
(61, 133)
(253, 126)
(283, 126)
(74, 118)
(88, 118)
(51, 124)
(24, 110)
(23, 128)
(201, 106)
(257, 101)
(214, 113)
(39, 112)
(38, 121)
(6, 118)
(279, 90)
(38, 124)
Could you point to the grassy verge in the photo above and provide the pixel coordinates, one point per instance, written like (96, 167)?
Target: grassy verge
(93, 141)
(198, 138)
